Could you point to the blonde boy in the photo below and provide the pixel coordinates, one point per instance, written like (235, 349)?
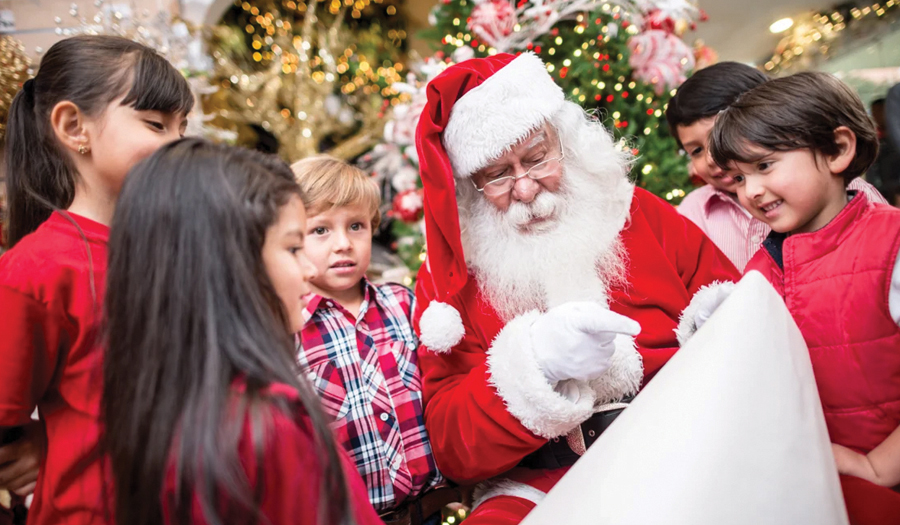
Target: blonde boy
(359, 350)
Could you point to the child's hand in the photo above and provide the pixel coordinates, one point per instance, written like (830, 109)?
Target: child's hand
(20, 460)
(854, 464)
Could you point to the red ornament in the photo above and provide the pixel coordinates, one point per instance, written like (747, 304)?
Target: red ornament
(610, 98)
(624, 94)
(408, 206)
(605, 67)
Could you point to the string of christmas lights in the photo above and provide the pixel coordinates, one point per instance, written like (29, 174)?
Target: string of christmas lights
(820, 35)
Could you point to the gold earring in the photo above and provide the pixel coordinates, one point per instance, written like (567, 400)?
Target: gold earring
(83, 149)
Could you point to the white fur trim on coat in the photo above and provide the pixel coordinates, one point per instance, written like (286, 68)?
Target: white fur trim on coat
(441, 327)
(624, 375)
(490, 118)
(528, 394)
(704, 297)
(505, 487)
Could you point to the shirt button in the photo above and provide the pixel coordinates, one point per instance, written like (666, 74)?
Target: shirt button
(384, 416)
(756, 239)
(311, 376)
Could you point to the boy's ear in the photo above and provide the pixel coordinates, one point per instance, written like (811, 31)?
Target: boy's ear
(845, 140)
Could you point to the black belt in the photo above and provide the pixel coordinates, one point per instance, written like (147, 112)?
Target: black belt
(558, 452)
(423, 507)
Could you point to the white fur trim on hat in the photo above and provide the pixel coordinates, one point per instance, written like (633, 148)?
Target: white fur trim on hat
(528, 394)
(441, 327)
(706, 295)
(490, 118)
(624, 375)
(505, 487)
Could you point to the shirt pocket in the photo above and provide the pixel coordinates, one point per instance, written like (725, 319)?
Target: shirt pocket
(326, 381)
(407, 365)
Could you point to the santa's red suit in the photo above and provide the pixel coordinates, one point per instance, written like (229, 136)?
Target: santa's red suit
(478, 394)
(488, 402)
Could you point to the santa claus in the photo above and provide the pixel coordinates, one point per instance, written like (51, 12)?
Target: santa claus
(553, 287)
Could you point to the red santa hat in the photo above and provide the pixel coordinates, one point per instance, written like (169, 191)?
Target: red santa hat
(476, 111)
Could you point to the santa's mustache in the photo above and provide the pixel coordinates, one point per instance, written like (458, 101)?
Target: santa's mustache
(544, 206)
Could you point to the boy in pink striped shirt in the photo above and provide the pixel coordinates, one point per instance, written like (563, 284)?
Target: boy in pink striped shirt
(714, 207)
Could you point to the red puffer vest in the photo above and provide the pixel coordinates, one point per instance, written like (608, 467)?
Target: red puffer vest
(835, 282)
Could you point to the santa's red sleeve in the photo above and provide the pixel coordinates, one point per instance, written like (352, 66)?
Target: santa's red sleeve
(663, 247)
(487, 403)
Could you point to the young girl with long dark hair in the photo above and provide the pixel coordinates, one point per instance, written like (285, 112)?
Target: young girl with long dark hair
(97, 106)
(206, 420)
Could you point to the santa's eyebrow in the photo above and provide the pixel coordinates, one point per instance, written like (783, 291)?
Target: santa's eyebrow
(537, 139)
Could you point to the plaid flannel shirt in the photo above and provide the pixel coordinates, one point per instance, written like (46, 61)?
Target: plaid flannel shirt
(366, 373)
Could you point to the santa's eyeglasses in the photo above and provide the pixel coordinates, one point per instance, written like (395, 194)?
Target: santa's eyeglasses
(503, 184)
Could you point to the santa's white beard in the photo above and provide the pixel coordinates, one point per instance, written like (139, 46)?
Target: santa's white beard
(576, 255)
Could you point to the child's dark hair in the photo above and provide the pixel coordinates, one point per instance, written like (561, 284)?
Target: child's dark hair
(800, 111)
(709, 91)
(190, 308)
(91, 72)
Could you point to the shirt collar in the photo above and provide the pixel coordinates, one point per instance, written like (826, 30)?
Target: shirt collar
(319, 302)
(716, 196)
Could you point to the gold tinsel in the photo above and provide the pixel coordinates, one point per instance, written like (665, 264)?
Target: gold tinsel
(14, 64)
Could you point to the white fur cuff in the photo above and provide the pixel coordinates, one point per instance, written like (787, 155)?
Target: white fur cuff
(441, 327)
(624, 375)
(521, 384)
(505, 487)
(705, 299)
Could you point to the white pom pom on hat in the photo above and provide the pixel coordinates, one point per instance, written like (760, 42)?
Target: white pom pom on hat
(441, 327)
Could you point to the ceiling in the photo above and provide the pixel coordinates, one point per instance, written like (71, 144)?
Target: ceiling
(739, 29)
(736, 29)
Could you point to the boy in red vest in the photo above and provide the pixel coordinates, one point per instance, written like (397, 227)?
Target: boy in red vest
(794, 143)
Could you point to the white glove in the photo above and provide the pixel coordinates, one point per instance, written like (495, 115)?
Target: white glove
(711, 302)
(576, 340)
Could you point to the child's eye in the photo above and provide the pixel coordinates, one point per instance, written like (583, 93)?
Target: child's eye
(295, 249)
(738, 178)
(319, 231)
(357, 226)
(696, 151)
(157, 125)
(763, 166)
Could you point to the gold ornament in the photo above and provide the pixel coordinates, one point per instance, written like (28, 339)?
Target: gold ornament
(14, 64)
(289, 81)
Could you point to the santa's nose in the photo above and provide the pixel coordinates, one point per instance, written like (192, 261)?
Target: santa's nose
(526, 189)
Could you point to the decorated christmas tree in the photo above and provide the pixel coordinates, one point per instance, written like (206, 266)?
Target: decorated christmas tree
(621, 60)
